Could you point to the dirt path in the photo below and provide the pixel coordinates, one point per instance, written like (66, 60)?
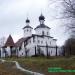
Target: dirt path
(21, 68)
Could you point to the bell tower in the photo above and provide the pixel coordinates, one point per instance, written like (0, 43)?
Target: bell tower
(27, 29)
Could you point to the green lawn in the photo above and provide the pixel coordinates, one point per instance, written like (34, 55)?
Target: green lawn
(40, 64)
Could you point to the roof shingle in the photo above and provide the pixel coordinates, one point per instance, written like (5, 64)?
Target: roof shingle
(27, 27)
(19, 42)
(9, 42)
(42, 26)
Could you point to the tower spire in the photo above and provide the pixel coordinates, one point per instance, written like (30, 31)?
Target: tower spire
(41, 19)
(27, 21)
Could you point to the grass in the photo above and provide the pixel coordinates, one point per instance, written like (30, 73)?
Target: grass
(40, 64)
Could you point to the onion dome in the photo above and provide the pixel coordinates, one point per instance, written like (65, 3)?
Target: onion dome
(27, 21)
(42, 25)
(41, 17)
(27, 24)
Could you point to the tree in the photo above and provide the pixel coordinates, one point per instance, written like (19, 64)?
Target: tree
(69, 10)
(63, 51)
(2, 41)
(70, 46)
(67, 15)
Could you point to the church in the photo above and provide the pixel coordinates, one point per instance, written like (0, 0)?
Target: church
(32, 44)
(40, 43)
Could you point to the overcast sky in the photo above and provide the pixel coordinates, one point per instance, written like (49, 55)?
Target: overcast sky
(13, 14)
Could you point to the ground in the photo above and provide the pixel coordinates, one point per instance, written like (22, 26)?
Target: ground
(8, 68)
(41, 64)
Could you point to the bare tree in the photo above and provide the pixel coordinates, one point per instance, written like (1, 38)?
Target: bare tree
(2, 41)
(69, 12)
(68, 6)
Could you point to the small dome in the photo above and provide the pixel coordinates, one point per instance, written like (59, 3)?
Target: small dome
(41, 17)
(27, 21)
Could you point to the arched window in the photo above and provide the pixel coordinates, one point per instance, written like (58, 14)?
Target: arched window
(51, 51)
(22, 53)
(42, 32)
(50, 42)
(24, 31)
(27, 30)
(41, 42)
(38, 41)
(47, 33)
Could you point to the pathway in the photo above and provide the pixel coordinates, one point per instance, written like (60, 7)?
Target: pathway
(21, 68)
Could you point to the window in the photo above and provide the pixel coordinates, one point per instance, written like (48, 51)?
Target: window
(27, 30)
(38, 41)
(33, 39)
(50, 42)
(42, 32)
(47, 33)
(19, 48)
(24, 44)
(48, 37)
(24, 31)
(51, 51)
(30, 41)
(41, 42)
(22, 53)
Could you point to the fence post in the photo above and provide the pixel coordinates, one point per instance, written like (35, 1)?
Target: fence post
(47, 49)
(35, 50)
(56, 50)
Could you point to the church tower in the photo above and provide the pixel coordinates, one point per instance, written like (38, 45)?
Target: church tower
(27, 29)
(42, 29)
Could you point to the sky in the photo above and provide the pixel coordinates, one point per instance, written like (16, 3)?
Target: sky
(13, 14)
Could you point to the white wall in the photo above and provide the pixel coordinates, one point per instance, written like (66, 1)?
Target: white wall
(27, 32)
(38, 31)
(44, 40)
(7, 50)
(2, 53)
(31, 46)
